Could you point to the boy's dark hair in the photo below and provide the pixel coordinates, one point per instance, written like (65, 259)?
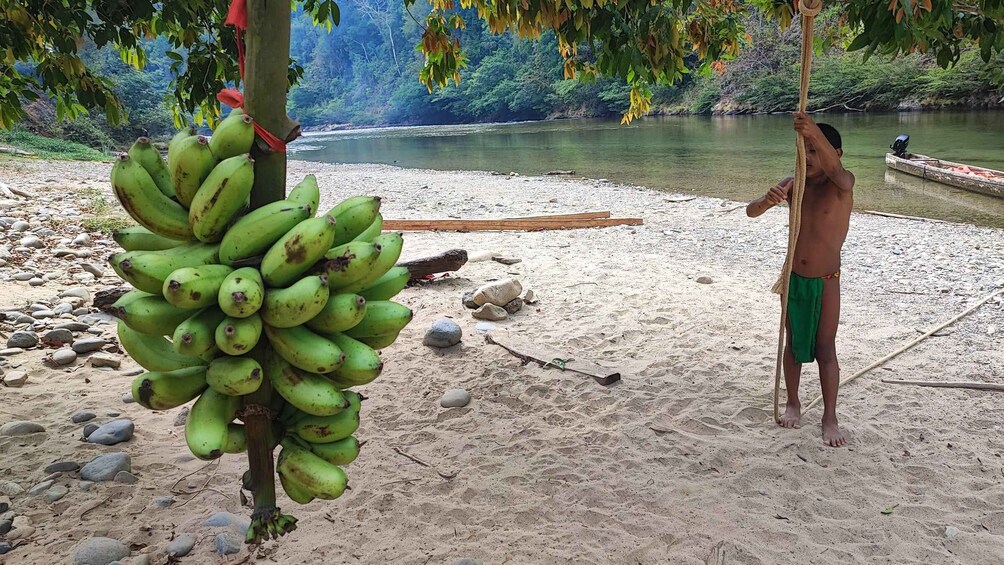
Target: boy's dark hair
(831, 134)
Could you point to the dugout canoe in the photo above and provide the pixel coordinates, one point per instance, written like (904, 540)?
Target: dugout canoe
(967, 177)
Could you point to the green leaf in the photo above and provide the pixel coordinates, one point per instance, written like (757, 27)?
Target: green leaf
(859, 42)
(889, 509)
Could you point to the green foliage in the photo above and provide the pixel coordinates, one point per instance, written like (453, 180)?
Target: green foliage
(48, 148)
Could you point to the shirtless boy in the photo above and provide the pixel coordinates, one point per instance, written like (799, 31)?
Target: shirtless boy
(814, 287)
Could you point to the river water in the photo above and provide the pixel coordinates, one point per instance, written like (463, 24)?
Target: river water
(734, 157)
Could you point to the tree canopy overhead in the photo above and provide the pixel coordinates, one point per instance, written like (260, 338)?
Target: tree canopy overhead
(643, 42)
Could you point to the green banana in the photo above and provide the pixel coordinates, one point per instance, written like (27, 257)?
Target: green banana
(153, 352)
(147, 270)
(190, 167)
(304, 349)
(253, 233)
(341, 452)
(350, 262)
(163, 390)
(304, 469)
(197, 334)
(237, 336)
(172, 146)
(234, 376)
(307, 193)
(391, 245)
(136, 190)
(138, 238)
(144, 154)
(151, 315)
(208, 423)
(237, 440)
(297, 250)
(294, 490)
(387, 286)
(382, 341)
(362, 363)
(371, 232)
(294, 305)
(220, 197)
(242, 293)
(195, 287)
(327, 429)
(382, 317)
(353, 216)
(304, 391)
(341, 312)
(233, 136)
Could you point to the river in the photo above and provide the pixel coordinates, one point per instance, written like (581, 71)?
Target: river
(733, 157)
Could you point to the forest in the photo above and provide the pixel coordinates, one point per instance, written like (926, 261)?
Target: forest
(364, 72)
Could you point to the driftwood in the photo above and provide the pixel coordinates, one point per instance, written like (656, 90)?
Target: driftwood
(950, 384)
(556, 173)
(902, 217)
(447, 261)
(507, 225)
(548, 356)
(103, 299)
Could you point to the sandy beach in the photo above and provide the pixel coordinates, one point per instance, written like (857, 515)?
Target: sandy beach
(679, 462)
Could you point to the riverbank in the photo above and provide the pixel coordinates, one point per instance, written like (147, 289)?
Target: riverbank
(676, 463)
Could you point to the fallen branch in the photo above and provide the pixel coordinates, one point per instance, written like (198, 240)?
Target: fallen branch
(556, 173)
(400, 451)
(843, 104)
(534, 224)
(549, 356)
(950, 384)
(447, 261)
(902, 217)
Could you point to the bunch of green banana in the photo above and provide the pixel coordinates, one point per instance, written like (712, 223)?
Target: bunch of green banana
(278, 305)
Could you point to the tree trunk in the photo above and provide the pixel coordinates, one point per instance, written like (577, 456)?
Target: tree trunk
(266, 83)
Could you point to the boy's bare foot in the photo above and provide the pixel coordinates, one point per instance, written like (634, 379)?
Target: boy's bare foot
(832, 436)
(792, 417)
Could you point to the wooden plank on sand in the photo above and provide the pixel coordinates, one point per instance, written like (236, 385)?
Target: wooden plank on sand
(546, 355)
(507, 225)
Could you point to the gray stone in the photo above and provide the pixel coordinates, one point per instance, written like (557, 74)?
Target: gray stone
(4, 504)
(443, 333)
(82, 416)
(24, 340)
(468, 300)
(83, 310)
(951, 532)
(45, 232)
(40, 488)
(93, 269)
(102, 360)
(88, 344)
(37, 307)
(704, 280)
(15, 379)
(498, 293)
(82, 239)
(62, 467)
(5, 548)
(514, 305)
(181, 545)
(31, 241)
(43, 314)
(97, 318)
(57, 338)
(63, 356)
(63, 309)
(105, 467)
(89, 429)
(85, 485)
(24, 277)
(36, 282)
(127, 398)
(135, 371)
(73, 327)
(77, 292)
(220, 520)
(126, 478)
(99, 551)
(181, 417)
(163, 501)
(485, 326)
(20, 226)
(227, 543)
(10, 488)
(455, 398)
(10, 351)
(113, 432)
(56, 492)
(18, 318)
(468, 561)
(5, 526)
(20, 428)
(491, 312)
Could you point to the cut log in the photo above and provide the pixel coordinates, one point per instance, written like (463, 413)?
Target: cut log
(445, 262)
(103, 299)
(549, 356)
(507, 225)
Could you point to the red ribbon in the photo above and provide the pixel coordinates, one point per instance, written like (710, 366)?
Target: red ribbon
(237, 16)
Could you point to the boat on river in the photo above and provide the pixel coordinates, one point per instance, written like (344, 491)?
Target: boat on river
(959, 175)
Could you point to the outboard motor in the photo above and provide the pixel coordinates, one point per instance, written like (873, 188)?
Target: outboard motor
(899, 146)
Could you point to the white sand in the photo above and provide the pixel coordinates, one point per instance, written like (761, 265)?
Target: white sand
(678, 463)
